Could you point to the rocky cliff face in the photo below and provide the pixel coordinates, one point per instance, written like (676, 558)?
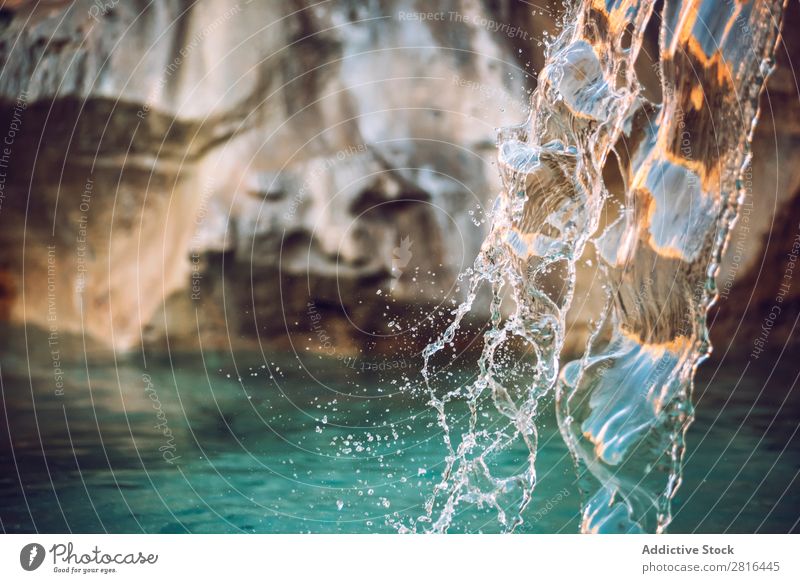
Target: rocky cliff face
(313, 174)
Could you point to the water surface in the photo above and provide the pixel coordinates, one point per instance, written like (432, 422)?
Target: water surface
(313, 450)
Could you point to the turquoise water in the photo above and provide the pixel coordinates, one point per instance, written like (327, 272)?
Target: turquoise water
(324, 446)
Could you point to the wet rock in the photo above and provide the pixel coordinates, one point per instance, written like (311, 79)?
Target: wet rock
(215, 170)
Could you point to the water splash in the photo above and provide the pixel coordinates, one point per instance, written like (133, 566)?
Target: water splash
(624, 407)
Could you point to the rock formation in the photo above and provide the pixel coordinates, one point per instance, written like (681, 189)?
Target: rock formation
(218, 171)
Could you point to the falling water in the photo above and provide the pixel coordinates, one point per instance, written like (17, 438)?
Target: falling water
(624, 407)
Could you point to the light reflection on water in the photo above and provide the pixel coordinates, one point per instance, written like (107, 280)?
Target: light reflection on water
(190, 449)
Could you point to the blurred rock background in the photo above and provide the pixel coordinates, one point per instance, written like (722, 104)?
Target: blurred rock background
(298, 174)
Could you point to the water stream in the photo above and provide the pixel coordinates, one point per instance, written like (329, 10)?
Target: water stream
(623, 407)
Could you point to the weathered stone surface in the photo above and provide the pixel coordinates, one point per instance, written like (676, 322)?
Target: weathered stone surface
(234, 168)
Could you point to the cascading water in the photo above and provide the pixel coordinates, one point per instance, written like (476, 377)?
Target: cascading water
(624, 407)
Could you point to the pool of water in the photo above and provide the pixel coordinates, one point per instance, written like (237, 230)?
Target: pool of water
(253, 443)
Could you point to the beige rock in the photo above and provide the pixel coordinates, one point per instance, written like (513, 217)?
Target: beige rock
(218, 166)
